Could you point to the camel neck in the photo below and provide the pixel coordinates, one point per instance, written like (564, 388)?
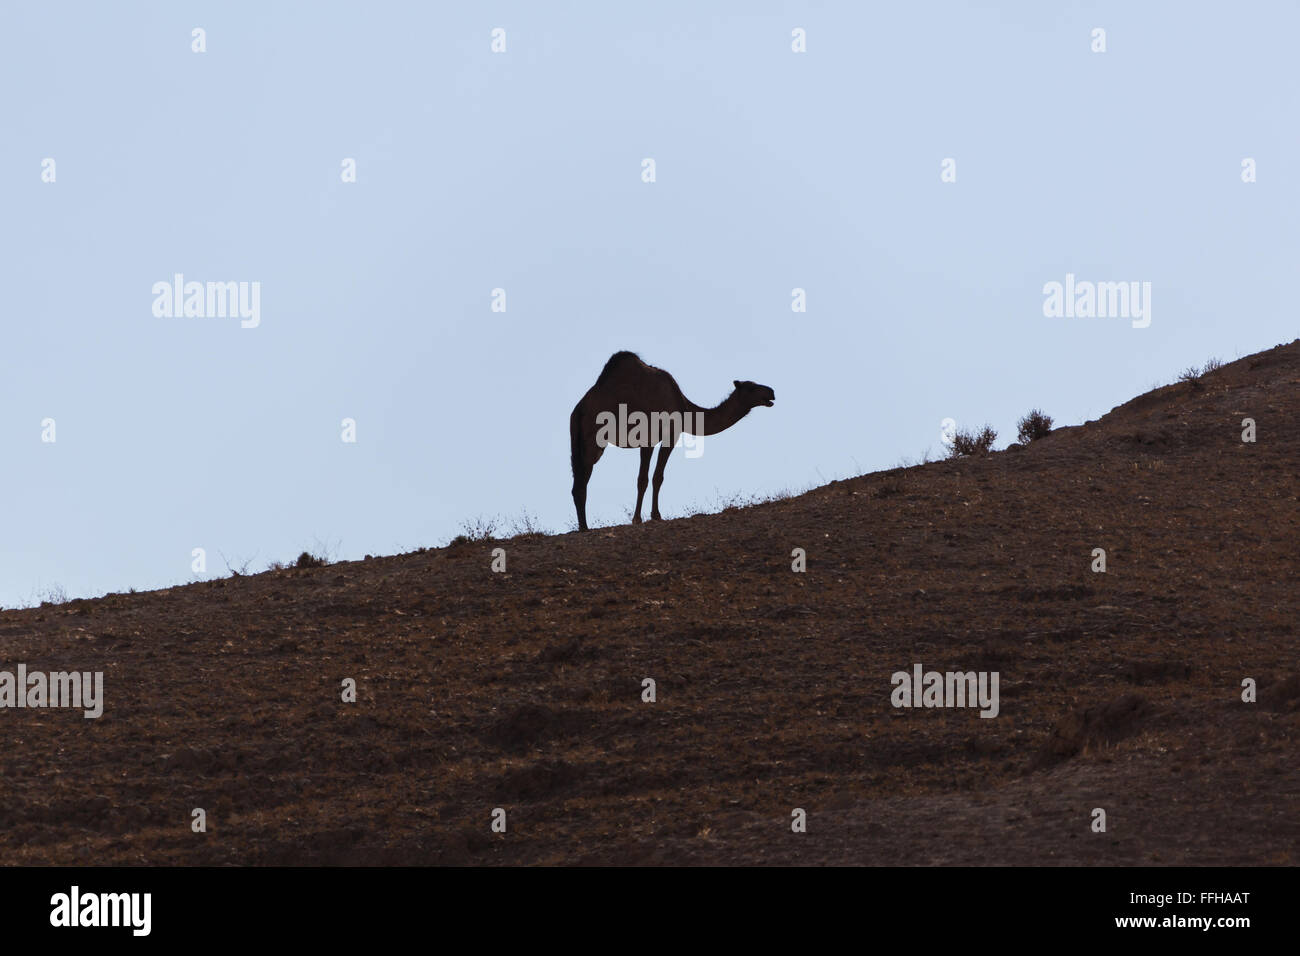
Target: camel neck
(720, 417)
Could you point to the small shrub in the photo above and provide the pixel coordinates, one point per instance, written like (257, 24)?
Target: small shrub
(1193, 375)
(525, 524)
(237, 570)
(309, 560)
(1033, 426)
(480, 529)
(966, 443)
(923, 459)
(54, 595)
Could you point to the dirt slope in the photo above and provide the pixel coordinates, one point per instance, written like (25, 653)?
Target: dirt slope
(522, 690)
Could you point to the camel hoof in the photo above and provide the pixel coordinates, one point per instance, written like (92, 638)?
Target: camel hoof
(636, 519)
(656, 518)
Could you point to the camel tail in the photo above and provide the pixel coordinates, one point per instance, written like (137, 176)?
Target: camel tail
(575, 440)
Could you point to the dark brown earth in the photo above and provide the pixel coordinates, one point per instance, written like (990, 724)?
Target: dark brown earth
(522, 690)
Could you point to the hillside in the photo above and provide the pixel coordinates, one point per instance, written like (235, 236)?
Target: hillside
(522, 690)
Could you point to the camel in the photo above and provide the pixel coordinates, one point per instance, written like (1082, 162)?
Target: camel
(628, 391)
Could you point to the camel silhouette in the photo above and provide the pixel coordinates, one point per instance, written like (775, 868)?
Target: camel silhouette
(635, 405)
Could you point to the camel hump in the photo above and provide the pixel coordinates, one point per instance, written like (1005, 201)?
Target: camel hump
(616, 360)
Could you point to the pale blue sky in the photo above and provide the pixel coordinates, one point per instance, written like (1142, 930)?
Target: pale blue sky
(521, 170)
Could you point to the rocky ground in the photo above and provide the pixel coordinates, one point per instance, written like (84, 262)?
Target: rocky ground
(523, 690)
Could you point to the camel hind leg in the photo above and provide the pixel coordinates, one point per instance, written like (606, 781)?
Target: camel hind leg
(585, 453)
(642, 482)
(580, 479)
(665, 450)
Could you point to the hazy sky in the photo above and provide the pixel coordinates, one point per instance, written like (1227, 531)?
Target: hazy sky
(522, 171)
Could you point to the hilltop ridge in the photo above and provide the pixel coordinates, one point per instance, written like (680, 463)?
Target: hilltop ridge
(524, 690)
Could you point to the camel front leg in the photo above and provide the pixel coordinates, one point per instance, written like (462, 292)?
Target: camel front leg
(642, 480)
(665, 450)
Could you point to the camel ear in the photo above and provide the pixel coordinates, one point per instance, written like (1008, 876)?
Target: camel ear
(735, 383)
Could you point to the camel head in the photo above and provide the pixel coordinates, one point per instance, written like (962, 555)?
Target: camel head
(753, 394)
